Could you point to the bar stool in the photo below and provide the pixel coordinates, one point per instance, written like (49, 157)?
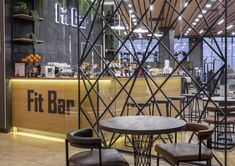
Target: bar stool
(181, 99)
(140, 104)
(168, 113)
(193, 108)
(219, 131)
(161, 101)
(135, 105)
(197, 102)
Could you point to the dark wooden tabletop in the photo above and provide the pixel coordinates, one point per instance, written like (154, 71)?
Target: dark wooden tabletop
(142, 125)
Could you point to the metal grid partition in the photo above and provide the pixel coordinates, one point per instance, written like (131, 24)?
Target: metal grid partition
(169, 14)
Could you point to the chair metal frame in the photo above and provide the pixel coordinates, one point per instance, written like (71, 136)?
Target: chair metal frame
(208, 145)
(86, 146)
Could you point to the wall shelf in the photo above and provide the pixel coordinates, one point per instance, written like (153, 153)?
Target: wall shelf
(25, 17)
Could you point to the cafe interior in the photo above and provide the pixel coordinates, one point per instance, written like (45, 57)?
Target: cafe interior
(117, 82)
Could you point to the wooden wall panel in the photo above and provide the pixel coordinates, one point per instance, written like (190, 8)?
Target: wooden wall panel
(44, 121)
(68, 90)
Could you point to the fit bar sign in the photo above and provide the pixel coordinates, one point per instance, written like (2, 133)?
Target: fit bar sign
(68, 17)
(55, 105)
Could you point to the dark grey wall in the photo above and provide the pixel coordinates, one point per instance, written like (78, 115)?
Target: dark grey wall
(57, 38)
(168, 41)
(8, 41)
(61, 41)
(196, 56)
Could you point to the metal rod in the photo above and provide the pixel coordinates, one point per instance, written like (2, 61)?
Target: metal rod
(226, 79)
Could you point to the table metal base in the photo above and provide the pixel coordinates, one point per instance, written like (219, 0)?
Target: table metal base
(142, 145)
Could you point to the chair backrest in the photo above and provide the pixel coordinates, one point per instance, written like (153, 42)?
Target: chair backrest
(204, 131)
(83, 138)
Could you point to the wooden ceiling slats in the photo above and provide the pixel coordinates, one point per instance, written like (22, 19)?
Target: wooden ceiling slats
(170, 15)
(210, 17)
(172, 12)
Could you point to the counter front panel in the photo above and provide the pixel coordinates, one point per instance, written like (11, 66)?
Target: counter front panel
(52, 104)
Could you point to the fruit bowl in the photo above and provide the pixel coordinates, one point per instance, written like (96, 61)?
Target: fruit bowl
(33, 58)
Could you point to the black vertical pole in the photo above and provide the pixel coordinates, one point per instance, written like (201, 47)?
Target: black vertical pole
(98, 109)
(226, 79)
(79, 73)
(33, 25)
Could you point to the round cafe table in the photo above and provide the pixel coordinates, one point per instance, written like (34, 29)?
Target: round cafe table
(142, 129)
(221, 100)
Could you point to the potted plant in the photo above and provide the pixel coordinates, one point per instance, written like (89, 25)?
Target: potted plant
(21, 8)
(36, 20)
(33, 37)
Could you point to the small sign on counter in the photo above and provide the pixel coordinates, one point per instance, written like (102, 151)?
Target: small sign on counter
(20, 70)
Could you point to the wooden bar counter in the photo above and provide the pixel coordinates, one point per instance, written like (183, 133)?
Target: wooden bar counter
(51, 104)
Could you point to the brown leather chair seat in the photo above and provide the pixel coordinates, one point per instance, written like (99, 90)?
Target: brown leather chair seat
(175, 153)
(183, 152)
(211, 120)
(110, 157)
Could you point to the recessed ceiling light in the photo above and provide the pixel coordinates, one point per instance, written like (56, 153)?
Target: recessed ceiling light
(134, 20)
(180, 17)
(130, 11)
(200, 16)
(130, 5)
(151, 7)
(109, 3)
(219, 32)
(233, 33)
(196, 20)
(186, 34)
(230, 26)
(189, 29)
(158, 34)
(118, 27)
(194, 23)
(141, 30)
(135, 23)
(132, 16)
(220, 22)
(155, 34)
(204, 11)
(208, 5)
(201, 31)
(185, 4)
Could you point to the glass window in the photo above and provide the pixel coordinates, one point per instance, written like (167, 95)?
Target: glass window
(140, 45)
(211, 53)
(181, 47)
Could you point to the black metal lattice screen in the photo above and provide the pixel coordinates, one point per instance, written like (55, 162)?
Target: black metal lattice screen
(112, 93)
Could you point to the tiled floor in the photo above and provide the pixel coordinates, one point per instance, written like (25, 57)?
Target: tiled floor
(18, 150)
